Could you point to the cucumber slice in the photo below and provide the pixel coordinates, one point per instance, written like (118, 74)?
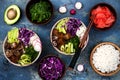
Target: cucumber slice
(69, 48)
(66, 48)
(72, 49)
(62, 48)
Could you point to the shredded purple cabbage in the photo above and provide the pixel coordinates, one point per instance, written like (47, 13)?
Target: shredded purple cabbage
(72, 26)
(24, 35)
(51, 68)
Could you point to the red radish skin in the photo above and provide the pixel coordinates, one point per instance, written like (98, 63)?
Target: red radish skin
(103, 17)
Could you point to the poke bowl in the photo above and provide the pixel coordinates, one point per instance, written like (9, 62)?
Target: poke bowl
(105, 59)
(103, 15)
(66, 35)
(22, 47)
(51, 67)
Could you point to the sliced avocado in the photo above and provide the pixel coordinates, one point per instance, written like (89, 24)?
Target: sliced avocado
(12, 14)
(61, 26)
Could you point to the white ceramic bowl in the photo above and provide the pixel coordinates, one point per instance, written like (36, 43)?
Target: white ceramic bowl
(17, 64)
(52, 40)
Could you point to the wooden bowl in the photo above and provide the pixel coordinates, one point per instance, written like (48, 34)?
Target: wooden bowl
(91, 59)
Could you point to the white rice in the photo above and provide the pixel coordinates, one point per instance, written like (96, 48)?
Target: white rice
(106, 58)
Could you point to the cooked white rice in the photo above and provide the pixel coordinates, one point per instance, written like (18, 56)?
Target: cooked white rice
(106, 58)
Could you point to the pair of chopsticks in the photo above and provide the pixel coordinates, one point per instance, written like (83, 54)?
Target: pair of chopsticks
(86, 34)
(81, 45)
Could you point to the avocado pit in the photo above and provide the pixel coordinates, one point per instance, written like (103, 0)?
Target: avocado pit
(11, 14)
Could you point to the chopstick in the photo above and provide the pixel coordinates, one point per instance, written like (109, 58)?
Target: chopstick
(81, 45)
(86, 34)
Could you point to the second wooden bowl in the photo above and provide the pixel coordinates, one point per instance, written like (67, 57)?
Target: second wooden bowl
(91, 59)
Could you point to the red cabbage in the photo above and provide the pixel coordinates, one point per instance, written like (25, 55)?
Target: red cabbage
(72, 25)
(24, 35)
(51, 68)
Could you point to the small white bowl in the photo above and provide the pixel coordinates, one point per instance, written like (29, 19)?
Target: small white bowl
(16, 64)
(56, 47)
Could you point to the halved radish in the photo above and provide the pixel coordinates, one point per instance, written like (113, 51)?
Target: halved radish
(37, 47)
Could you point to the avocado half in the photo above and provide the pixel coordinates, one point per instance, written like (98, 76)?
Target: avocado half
(17, 15)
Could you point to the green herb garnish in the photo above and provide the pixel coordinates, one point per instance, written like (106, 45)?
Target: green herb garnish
(40, 11)
(75, 40)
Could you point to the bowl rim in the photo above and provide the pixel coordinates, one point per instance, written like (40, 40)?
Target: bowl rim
(51, 55)
(86, 42)
(39, 23)
(91, 59)
(110, 7)
(16, 64)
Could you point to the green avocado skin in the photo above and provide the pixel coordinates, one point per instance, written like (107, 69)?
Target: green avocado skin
(7, 20)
